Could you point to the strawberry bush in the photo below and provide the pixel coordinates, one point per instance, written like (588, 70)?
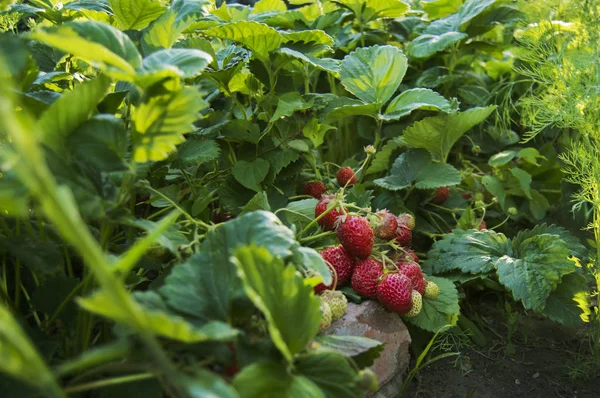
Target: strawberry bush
(191, 191)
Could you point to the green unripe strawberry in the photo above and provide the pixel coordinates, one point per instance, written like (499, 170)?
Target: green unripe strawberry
(432, 291)
(325, 316)
(417, 304)
(337, 302)
(367, 380)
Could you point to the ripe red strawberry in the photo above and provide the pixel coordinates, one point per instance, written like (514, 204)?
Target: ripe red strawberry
(385, 225)
(314, 189)
(482, 225)
(356, 235)
(346, 176)
(327, 223)
(467, 195)
(440, 195)
(414, 273)
(395, 293)
(407, 219)
(342, 263)
(409, 255)
(366, 277)
(403, 235)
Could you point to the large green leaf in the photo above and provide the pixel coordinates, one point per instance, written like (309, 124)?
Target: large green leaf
(570, 303)
(539, 264)
(257, 37)
(415, 167)
(427, 44)
(326, 64)
(135, 14)
(102, 142)
(576, 248)
(310, 260)
(185, 62)
(70, 110)
(271, 379)
(291, 309)
(160, 122)
(362, 350)
(332, 373)
(204, 286)
(196, 152)
(374, 73)
(156, 319)
(165, 31)
(438, 134)
(370, 10)
(441, 311)
(472, 252)
(251, 174)
(411, 100)
(436, 9)
(99, 44)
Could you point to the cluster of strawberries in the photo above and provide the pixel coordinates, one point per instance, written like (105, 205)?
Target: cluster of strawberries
(395, 280)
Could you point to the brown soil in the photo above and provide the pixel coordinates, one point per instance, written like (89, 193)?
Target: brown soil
(540, 362)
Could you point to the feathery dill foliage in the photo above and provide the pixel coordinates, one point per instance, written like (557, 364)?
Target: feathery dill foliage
(562, 57)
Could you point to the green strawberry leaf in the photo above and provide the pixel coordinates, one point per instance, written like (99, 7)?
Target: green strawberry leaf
(372, 10)
(438, 312)
(331, 372)
(502, 158)
(495, 187)
(471, 252)
(154, 316)
(251, 174)
(343, 107)
(287, 104)
(524, 180)
(71, 110)
(164, 31)
(438, 134)
(257, 37)
(373, 74)
(205, 292)
(135, 14)
(186, 63)
(103, 46)
(271, 379)
(415, 167)
(291, 309)
(570, 303)
(576, 248)
(310, 260)
(411, 100)
(196, 152)
(539, 264)
(362, 350)
(427, 44)
(160, 122)
(381, 161)
(325, 64)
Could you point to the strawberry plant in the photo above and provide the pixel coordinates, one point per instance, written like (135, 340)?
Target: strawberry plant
(191, 191)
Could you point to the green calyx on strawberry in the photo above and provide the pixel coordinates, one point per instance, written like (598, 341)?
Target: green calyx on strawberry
(356, 235)
(440, 196)
(342, 263)
(337, 302)
(403, 235)
(315, 189)
(328, 221)
(395, 293)
(414, 273)
(346, 177)
(366, 276)
(384, 224)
